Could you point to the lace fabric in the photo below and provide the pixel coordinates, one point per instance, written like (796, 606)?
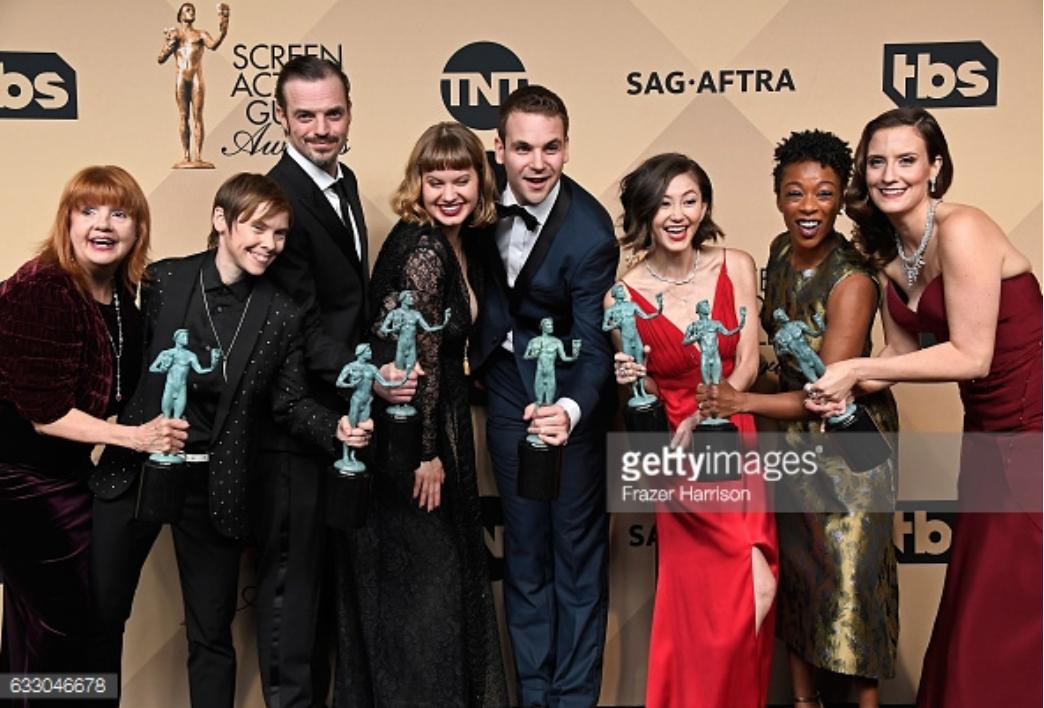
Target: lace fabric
(425, 607)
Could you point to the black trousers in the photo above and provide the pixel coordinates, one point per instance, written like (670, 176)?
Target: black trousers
(208, 568)
(294, 621)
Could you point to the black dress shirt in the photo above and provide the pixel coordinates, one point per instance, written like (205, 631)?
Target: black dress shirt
(226, 304)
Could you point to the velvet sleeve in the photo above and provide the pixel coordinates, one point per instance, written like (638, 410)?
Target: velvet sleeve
(42, 333)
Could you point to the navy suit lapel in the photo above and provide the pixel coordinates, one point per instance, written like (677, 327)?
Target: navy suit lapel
(253, 325)
(548, 231)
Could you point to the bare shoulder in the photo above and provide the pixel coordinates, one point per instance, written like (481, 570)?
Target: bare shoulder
(739, 259)
(740, 263)
(963, 223)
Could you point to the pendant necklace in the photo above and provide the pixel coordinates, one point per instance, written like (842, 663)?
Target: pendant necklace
(225, 353)
(913, 263)
(117, 344)
(671, 281)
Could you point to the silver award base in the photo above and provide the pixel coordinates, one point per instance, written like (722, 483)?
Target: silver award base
(539, 469)
(859, 440)
(161, 491)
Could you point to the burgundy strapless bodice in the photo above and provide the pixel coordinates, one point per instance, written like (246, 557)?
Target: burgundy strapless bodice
(1009, 396)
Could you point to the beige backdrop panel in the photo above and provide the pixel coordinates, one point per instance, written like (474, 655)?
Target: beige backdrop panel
(584, 50)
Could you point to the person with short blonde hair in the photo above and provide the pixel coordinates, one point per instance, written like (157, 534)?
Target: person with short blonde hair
(420, 563)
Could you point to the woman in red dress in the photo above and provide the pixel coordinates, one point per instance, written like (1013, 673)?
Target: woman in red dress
(712, 633)
(955, 276)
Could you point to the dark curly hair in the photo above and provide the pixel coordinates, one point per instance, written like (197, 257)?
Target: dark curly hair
(873, 232)
(812, 146)
(641, 193)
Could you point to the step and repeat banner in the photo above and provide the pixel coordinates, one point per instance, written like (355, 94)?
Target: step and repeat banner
(94, 82)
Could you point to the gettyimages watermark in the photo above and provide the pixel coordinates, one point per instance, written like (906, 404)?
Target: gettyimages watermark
(809, 473)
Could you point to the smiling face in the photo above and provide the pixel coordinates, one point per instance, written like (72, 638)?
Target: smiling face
(316, 119)
(676, 222)
(898, 169)
(450, 196)
(809, 200)
(533, 152)
(250, 244)
(102, 236)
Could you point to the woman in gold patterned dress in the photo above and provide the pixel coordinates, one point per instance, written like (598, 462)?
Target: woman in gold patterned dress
(838, 597)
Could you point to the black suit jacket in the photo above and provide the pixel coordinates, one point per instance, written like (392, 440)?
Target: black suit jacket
(265, 374)
(571, 267)
(321, 272)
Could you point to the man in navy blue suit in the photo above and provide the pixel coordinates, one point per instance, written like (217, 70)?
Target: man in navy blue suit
(554, 255)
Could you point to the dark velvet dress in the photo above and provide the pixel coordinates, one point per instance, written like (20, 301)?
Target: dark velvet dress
(428, 629)
(985, 648)
(55, 355)
(838, 591)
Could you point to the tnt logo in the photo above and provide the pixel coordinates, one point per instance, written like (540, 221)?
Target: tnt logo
(36, 85)
(923, 536)
(477, 79)
(940, 75)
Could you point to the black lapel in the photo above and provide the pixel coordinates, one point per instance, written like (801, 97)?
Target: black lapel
(548, 231)
(360, 223)
(313, 199)
(491, 257)
(253, 323)
(177, 296)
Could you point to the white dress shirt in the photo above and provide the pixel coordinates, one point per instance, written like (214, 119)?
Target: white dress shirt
(515, 242)
(325, 183)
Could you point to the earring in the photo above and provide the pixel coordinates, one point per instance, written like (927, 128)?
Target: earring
(931, 185)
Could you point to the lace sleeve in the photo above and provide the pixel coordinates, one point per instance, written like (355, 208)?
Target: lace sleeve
(425, 273)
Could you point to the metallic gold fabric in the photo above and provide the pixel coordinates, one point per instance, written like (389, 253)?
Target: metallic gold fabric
(838, 601)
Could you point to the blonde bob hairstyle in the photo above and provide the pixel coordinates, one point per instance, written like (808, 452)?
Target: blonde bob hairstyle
(100, 185)
(445, 146)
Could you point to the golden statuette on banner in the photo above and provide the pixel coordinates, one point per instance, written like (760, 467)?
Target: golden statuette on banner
(188, 45)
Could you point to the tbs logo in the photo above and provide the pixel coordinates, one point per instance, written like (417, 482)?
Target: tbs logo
(940, 75)
(36, 85)
(922, 531)
(477, 79)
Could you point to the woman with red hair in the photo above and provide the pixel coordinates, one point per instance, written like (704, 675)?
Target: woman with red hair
(70, 351)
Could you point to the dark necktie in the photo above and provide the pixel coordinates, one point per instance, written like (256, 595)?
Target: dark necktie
(510, 211)
(342, 196)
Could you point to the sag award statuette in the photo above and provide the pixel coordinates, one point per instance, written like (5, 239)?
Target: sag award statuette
(644, 412)
(704, 331)
(401, 429)
(161, 490)
(540, 464)
(861, 452)
(348, 489)
(187, 44)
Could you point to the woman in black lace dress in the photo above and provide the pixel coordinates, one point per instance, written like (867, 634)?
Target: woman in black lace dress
(429, 632)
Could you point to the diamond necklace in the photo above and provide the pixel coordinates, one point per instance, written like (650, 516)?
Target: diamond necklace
(913, 263)
(670, 281)
(225, 353)
(117, 344)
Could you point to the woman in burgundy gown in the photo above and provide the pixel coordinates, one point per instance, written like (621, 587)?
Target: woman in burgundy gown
(973, 292)
(712, 633)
